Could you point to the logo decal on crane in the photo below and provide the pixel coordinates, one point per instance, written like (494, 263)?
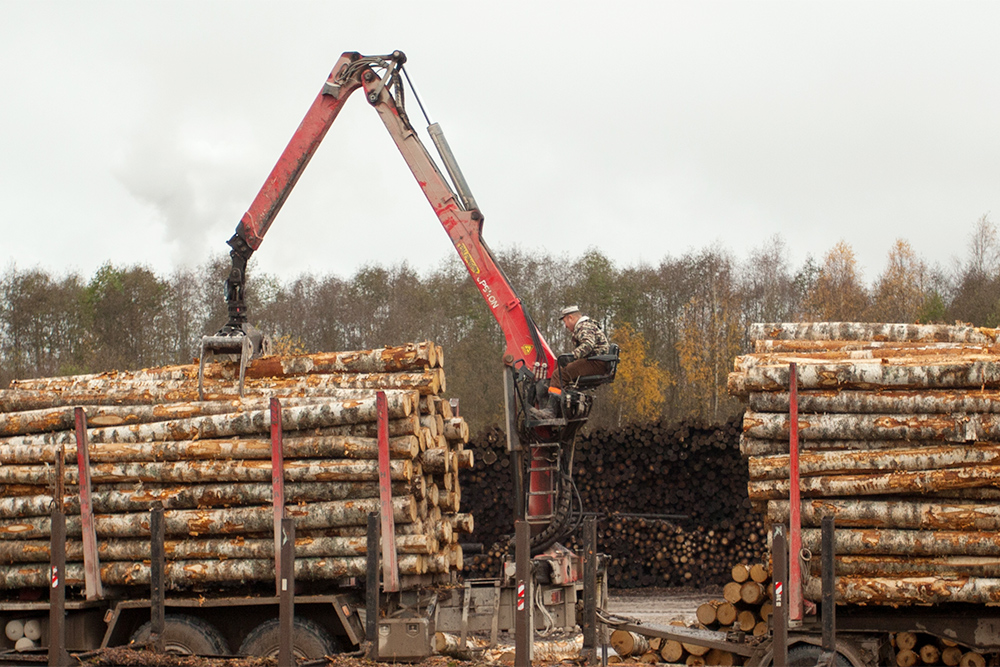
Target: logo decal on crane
(467, 257)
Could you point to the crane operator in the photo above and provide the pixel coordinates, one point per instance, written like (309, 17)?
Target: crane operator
(588, 339)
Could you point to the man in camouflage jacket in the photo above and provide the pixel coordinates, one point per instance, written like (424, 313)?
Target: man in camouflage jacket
(588, 339)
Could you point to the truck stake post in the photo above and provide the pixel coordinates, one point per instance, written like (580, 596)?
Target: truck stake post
(157, 566)
(779, 617)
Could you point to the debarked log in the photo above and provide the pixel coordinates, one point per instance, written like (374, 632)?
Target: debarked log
(898, 483)
(865, 374)
(937, 457)
(900, 514)
(294, 447)
(870, 542)
(952, 428)
(296, 418)
(26, 551)
(928, 401)
(909, 590)
(169, 472)
(913, 566)
(183, 574)
(872, 331)
(226, 521)
(116, 498)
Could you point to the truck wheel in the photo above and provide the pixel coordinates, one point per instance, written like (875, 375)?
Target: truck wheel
(807, 655)
(185, 635)
(310, 640)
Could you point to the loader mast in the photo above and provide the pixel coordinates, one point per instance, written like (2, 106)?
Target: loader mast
(458, 214)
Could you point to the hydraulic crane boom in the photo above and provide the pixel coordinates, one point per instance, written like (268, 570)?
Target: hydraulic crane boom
(543, 450)
(461, 219)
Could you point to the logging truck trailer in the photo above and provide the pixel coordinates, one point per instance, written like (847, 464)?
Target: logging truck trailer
(324, 624)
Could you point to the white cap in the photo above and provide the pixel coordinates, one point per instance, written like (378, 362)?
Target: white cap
(568, 310)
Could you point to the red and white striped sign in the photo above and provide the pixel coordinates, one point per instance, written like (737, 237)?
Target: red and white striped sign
(520, 596)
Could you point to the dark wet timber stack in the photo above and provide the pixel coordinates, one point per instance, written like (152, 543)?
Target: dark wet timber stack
(208, 463)
(670, 498)
(899, 429)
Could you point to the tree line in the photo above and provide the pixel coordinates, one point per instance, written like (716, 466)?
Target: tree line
(679, 322)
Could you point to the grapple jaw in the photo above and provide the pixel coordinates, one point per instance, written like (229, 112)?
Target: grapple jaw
(242, 342)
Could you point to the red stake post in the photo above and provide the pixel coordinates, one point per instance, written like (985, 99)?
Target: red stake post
(390, 570)
(91, 564)
(794, 501)
(277, 485)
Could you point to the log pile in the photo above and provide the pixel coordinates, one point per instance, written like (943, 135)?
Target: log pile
(690, 531)
(746, 602)
(916, 648)
(899, 429)
(208, 464)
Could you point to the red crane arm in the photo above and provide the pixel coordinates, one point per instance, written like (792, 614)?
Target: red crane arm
(462, 222)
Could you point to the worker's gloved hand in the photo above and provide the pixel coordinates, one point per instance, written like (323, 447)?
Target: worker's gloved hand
(564, 359)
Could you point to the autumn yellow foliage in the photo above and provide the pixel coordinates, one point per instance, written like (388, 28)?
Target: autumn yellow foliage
(639, 389)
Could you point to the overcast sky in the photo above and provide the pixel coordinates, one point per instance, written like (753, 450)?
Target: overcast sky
(139, 132)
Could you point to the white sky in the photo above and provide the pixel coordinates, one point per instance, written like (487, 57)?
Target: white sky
(139, 132)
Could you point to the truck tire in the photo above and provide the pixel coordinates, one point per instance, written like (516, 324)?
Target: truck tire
(185, 635)
(807, 655)
(310, 640)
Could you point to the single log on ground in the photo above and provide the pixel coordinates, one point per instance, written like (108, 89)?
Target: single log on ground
(951, 656)
(905, 514)
(972, 659)
(726, 614)
(671, 651)
(706, 612)
(627, 643)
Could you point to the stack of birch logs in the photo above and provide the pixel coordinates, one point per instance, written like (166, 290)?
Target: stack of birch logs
(208, 463)
(745, 605)
(689, 532)
(899, 429)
